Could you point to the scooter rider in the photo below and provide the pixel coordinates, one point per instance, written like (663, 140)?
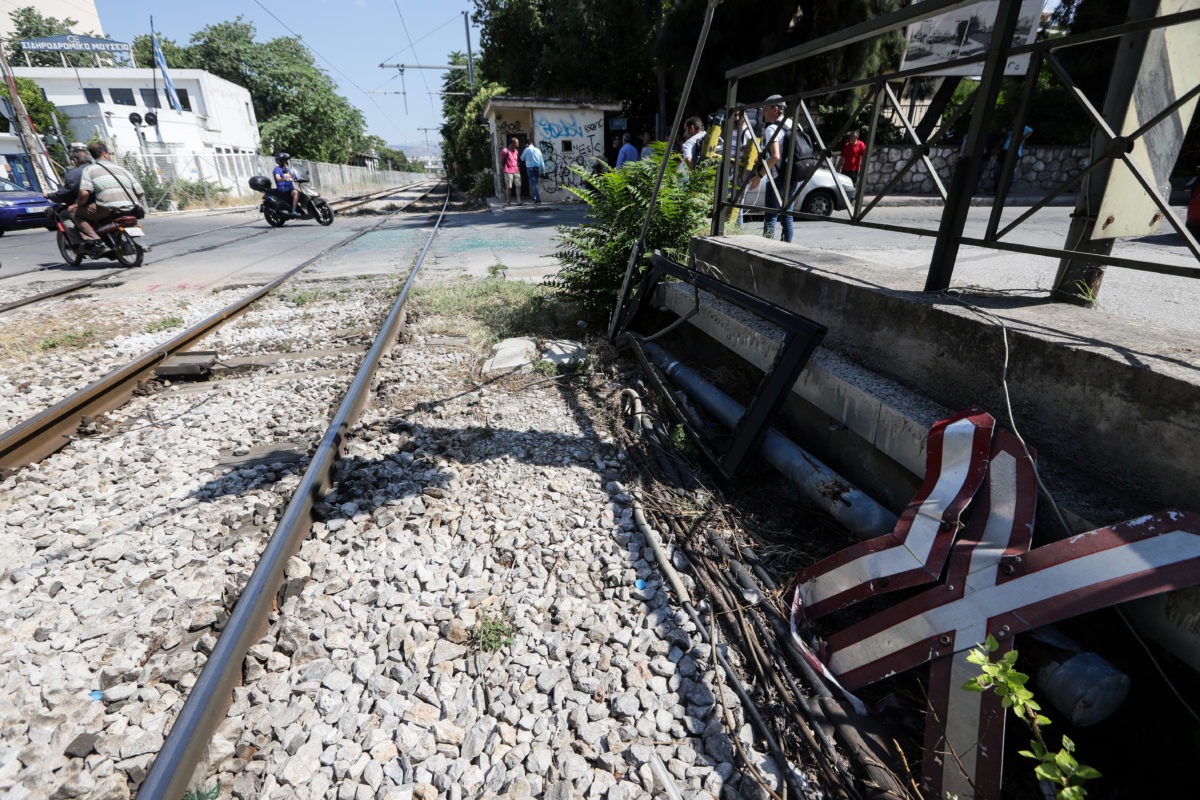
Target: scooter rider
(284, 185)
(68, 192)
(105, 189)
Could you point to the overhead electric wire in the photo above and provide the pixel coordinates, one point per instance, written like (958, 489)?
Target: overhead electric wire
(335, 67)
(423, 38)
(412, 46)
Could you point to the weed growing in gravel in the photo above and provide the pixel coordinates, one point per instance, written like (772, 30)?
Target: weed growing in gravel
(487, 310)
(198, 792)
(256, 306)
(544, 367)
(492, 633)
(183, 303)
(68, 340)
(164, 324)
(303, 297)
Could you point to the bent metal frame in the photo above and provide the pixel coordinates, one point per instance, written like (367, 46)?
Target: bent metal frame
(950, 235)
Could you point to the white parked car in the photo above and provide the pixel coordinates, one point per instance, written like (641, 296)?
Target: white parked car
(819, 196)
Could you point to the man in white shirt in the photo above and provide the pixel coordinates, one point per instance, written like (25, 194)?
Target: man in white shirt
(693, 133)
(775, 137)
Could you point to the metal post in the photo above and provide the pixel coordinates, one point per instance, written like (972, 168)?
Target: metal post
(733, 139)
(38, 161)
(470, 57)
(967, 170)
(203, 182)
(1076, 281)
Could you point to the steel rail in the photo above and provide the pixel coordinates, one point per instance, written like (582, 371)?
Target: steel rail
(61, 290)
(43, 434)
(209, 699)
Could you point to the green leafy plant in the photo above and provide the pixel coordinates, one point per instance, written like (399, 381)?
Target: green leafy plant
(303, 297)
(492, 633)
(198, 792)
(68, 340)
(1001, 676)
(164, 324)
(594, 254)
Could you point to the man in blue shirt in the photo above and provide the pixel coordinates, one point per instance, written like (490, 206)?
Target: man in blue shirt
(534, 164)
(284, 186)
(628, 152)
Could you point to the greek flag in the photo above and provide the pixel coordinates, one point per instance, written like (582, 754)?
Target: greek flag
(161, 63)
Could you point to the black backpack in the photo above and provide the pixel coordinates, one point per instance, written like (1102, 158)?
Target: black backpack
(804, 155)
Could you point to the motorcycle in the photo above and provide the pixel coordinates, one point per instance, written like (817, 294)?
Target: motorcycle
(121, 237)
(277, 209)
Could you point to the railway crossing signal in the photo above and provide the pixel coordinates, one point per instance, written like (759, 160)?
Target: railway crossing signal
(995, 584)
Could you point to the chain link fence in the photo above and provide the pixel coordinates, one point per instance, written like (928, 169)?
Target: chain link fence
(178, 181)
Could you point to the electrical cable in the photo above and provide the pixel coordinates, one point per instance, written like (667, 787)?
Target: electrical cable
(411, 46)
(335, 67)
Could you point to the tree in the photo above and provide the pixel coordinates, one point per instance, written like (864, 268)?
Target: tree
(28, 23)
(176, 56)
(297, 104)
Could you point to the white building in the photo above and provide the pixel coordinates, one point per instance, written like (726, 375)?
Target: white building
(84, 11)
(217, 117)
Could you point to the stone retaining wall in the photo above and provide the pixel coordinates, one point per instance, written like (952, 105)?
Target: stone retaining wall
(1041, 168)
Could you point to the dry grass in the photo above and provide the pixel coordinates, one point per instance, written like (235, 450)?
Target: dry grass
(43, 333)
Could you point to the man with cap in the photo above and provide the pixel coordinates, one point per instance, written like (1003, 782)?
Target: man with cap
(68, 192)
(775, 135)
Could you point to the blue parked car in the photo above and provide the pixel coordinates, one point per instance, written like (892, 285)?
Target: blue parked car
(21, 208)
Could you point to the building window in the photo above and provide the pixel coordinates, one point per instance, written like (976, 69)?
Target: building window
(150, 98)
(122, 97)
(184, 102)
(93, 96)
(249, 114)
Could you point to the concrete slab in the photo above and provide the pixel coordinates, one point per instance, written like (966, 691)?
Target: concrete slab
(1111, 401)
(564, 352)
(511, 354)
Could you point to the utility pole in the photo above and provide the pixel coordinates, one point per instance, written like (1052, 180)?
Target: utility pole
(470, 58)
(29, 139)
(428, 147)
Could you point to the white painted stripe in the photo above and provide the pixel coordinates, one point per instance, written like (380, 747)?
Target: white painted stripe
(957, 448)
(1002, 509)
(962, 730)
(968, 615)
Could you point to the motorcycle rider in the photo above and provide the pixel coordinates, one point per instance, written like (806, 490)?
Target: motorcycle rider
(284, 186)
(68, 192)
(106, 190)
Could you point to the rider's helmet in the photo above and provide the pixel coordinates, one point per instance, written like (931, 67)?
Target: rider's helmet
(281, 157)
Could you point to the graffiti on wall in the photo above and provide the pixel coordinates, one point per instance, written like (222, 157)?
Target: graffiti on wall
(565, 141)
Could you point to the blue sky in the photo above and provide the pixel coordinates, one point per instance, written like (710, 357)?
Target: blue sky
(355, 35)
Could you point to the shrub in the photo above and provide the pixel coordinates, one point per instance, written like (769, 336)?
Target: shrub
(594, 254)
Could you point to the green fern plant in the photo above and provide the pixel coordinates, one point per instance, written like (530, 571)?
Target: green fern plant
(593, 255)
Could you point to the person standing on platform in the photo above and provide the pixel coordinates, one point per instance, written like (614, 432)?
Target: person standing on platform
(776, 137)
(852, 156)
(534, 164)
(627, 152)
(511, 170)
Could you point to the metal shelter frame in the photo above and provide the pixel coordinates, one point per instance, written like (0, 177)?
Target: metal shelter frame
(966, 172)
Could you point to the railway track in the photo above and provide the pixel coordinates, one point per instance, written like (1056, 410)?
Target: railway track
(339, 206)
(50, 430)
(210, 697)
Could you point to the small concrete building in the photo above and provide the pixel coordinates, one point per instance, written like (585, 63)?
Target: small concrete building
(566, 131)
(217, 117)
